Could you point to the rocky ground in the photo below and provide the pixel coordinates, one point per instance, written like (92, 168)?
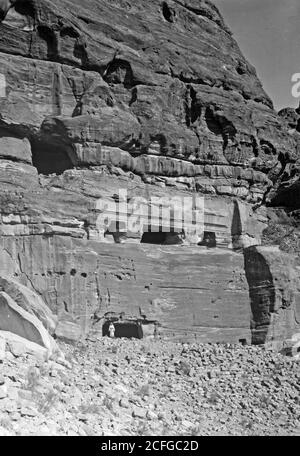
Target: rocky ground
(151, 387)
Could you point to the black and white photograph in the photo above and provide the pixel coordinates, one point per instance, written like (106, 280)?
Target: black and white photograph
(149, 222)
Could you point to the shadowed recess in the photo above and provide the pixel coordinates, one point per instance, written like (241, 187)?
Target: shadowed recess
(127, 329)
(50, 158)
(261, 293)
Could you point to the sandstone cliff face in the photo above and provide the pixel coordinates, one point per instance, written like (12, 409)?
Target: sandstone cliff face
(284, 227)
(159, 89)
(152, 97)
(189, 292)
(286, 190)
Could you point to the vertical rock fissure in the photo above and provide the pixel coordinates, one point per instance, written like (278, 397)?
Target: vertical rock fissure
(261, 293)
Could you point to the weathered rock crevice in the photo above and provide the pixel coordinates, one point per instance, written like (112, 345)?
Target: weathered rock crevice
(273, 294)
(261, 293)
(119, 72)
(168, 13)
(51, 41)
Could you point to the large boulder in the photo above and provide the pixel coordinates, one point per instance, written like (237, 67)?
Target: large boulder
(14, 319)
(30, 301)
(19, 346)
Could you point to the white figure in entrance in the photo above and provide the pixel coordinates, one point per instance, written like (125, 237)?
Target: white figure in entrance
(111, 330)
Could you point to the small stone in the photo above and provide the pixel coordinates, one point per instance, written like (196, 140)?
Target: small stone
(28, 411)
(9, 356)
(81, 432)
(15, 416)
(124, 403)
(82, 417)
(192, 372)
(187, 424)
(25, 395)
(13, 393)
(4, 432)
(211, 374)
(184, 368)
(72, 433)
(2, 349)
(17, 349)
(8, 405)
(3, 391)
(88, 430)
(151, 415)
(162, 416)
(139, 413)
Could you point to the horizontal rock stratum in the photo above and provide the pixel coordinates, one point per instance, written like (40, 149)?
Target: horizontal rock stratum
(155, 98)
(190, 292)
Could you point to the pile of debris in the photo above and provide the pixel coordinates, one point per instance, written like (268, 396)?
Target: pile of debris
(150, 387)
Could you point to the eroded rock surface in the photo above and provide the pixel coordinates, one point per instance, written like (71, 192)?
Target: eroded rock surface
(155, 98)
(30, 302)
(192, 292)
(164, 96)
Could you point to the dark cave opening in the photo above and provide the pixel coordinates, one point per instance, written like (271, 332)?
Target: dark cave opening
(126, 329)
(167, 12)
(49, 37)
(243, 342)
(212, 122)
(209, 239)
(117, 236)
(69, 31)
(26, 9)
(196, 108)
(261, 292)
(50, 158)
(119, 72)
(153, 238)
(218, 124)
(162, 238)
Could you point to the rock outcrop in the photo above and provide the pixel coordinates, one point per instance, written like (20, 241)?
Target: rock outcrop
(190, 292)
(30, 302)
(26, 323)
(286, 190)
(273, 279)
(169, 99)
(154, 98)
(16, 325)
